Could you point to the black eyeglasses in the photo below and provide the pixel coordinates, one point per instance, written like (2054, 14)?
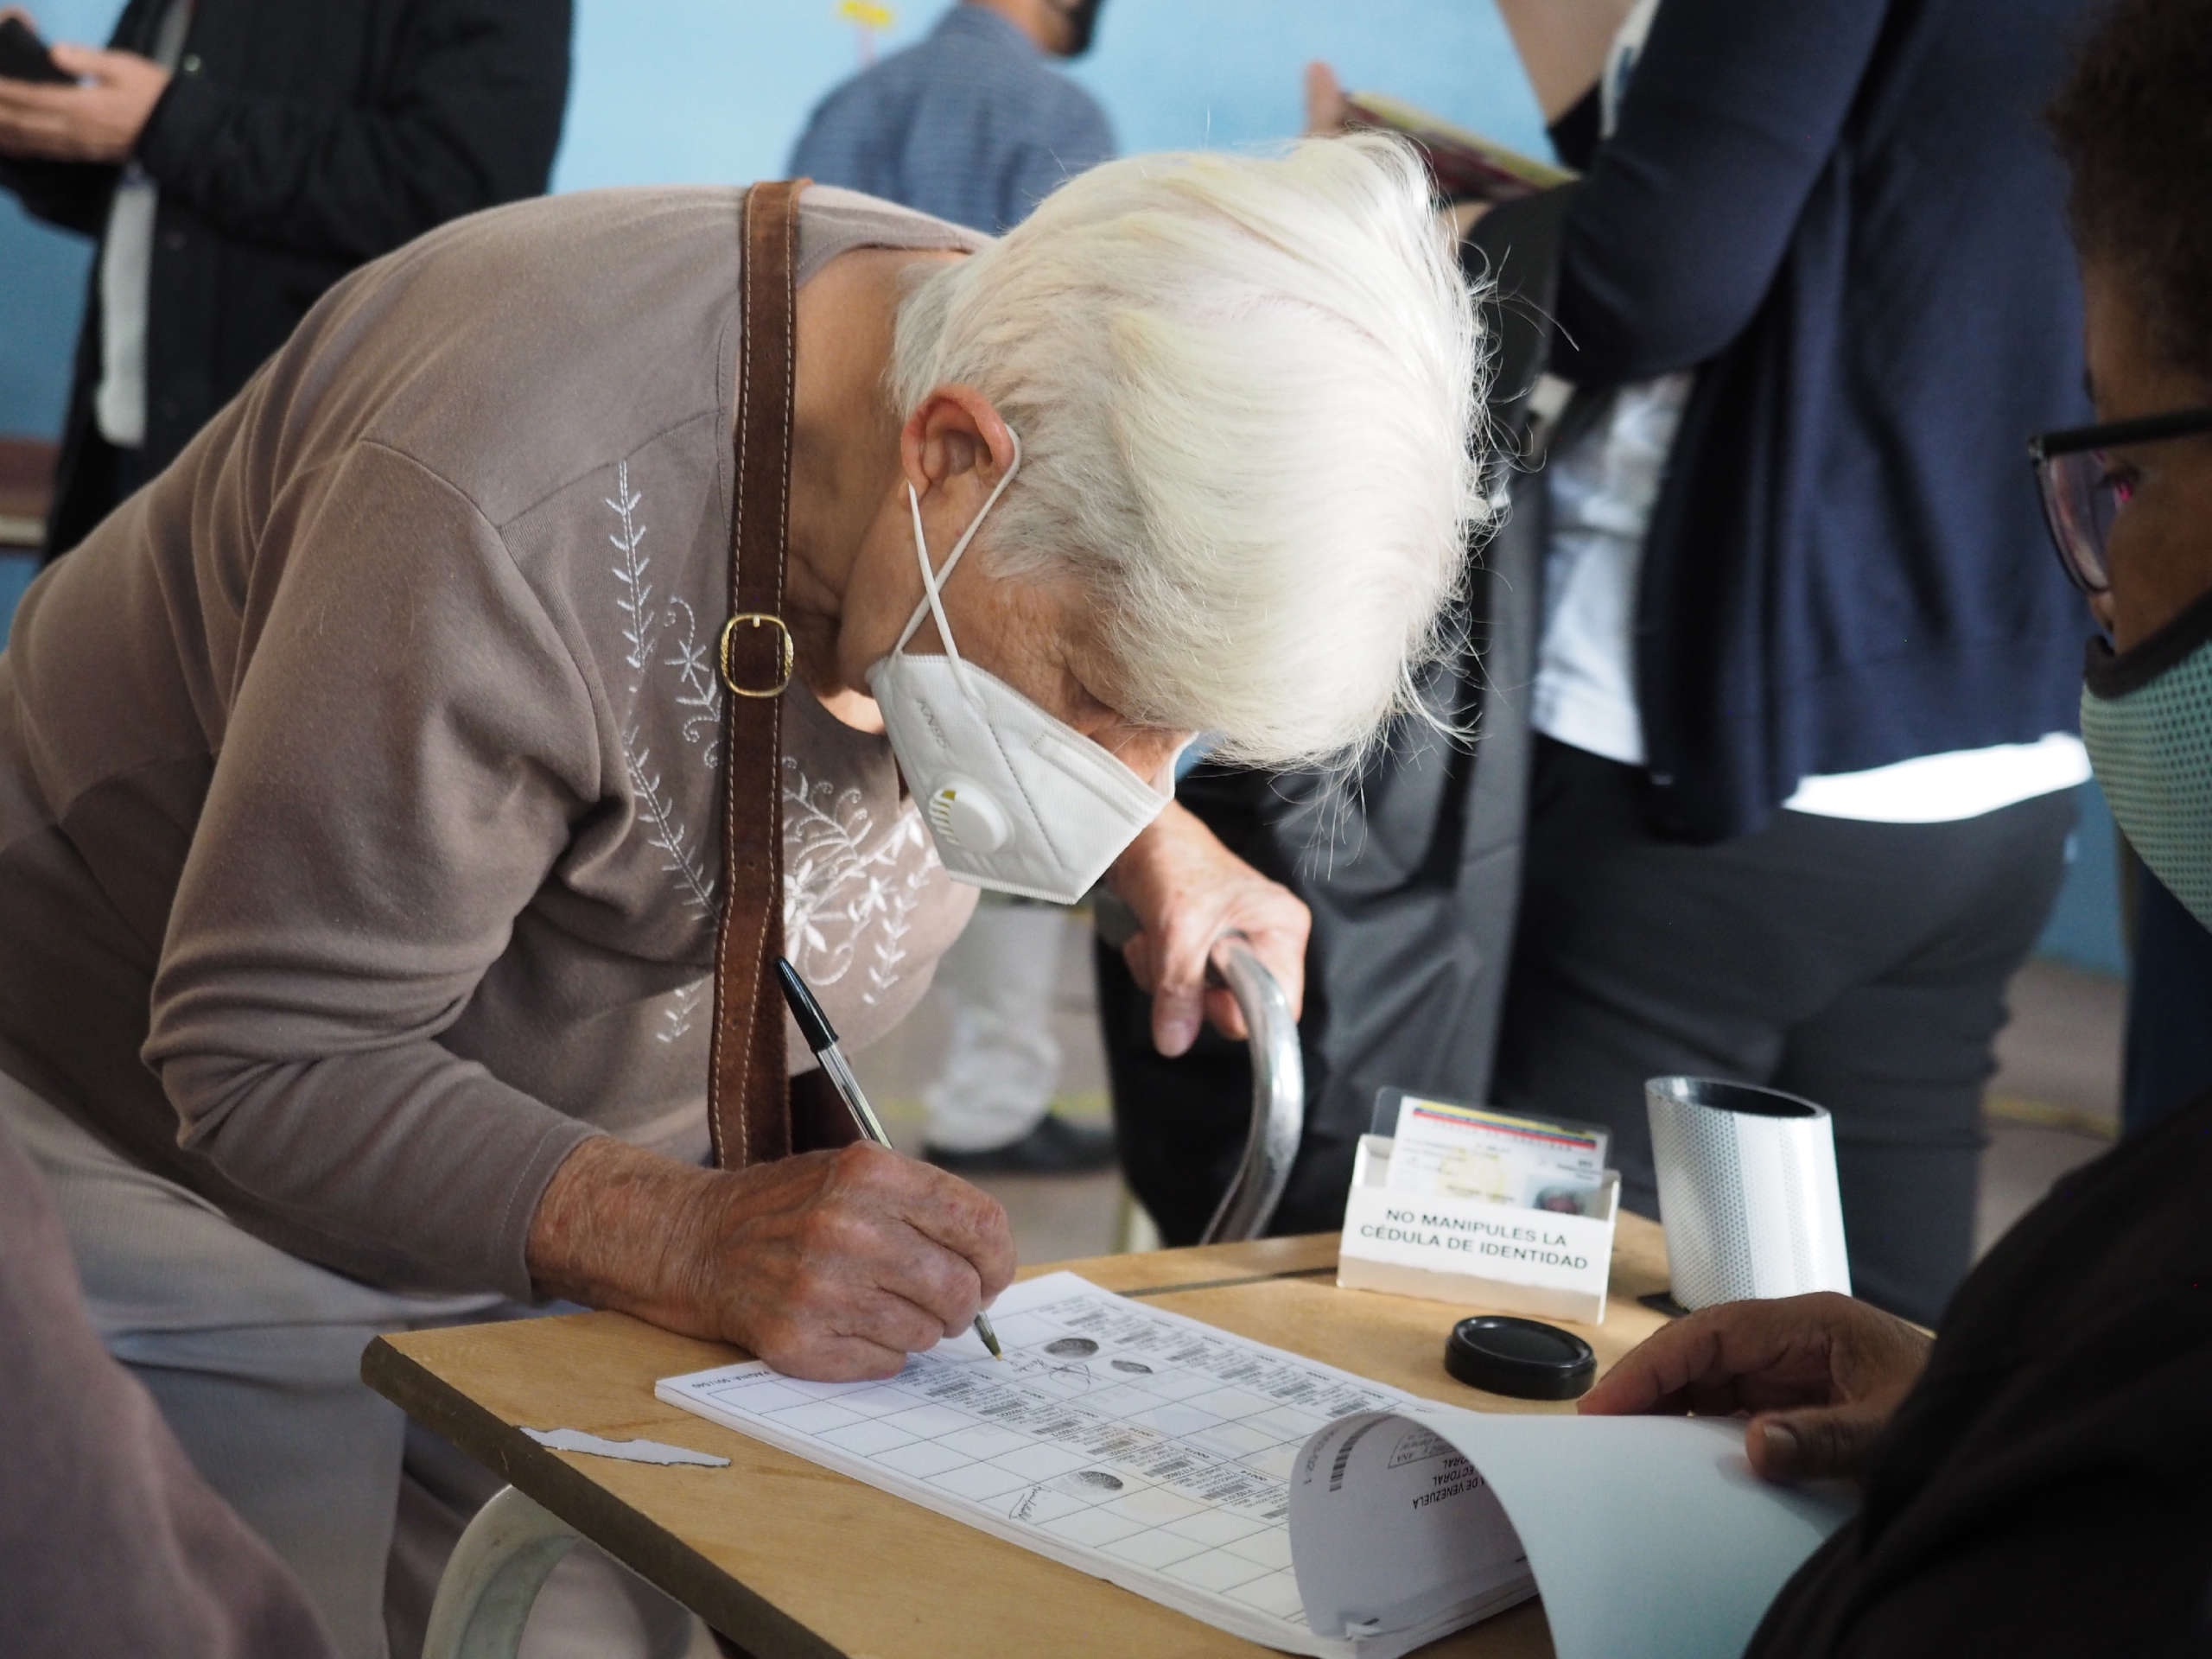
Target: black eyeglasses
(2084, 486)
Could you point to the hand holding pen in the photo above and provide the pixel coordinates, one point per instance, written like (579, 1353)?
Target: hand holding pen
(814, 1025)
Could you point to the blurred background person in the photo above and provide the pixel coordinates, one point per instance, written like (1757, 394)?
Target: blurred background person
(973, 126)
(235, 158)
(1806, 688)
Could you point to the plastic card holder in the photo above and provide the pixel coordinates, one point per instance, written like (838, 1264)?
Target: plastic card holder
(1503, 1257)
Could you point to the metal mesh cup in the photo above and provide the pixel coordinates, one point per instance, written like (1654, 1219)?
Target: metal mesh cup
(1747, 1191)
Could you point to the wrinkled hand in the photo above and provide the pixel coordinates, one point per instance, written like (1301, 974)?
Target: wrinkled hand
(1188, 890)
(99, 120)
(1821, 1376)
(829, 1265)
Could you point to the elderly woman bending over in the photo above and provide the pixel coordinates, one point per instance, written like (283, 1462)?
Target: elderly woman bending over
(358, 777)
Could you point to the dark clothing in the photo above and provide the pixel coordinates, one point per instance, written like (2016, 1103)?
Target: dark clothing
(1848, 215)
(2168, 1057)
(1860, 965)
(2047, 1487)
(295, 142)
(110, 1542)
(970, 124)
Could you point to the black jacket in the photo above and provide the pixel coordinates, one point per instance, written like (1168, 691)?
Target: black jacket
(296, 142)
(1848, 218)
(2047, 1486)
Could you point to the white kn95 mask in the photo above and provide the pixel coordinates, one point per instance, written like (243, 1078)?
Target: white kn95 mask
(1016, 799)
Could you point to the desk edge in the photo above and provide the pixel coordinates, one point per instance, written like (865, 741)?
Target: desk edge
(654, 1552)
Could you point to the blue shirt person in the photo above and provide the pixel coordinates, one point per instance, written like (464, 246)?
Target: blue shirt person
(970, 124)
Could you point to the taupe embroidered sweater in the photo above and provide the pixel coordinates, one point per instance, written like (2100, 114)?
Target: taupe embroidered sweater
(358, 840)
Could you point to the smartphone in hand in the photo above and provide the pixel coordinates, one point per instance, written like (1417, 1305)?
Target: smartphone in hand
(23, 56)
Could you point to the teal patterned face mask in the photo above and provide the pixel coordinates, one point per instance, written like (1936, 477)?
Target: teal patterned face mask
(2147, 720)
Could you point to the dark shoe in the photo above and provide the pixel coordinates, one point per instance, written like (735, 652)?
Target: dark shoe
(1055, 1146)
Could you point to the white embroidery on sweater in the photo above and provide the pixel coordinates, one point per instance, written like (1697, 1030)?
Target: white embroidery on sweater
(636, 602)
(702, 692)
(682, 1007)
(668, 834)
(670, 837)
(851, 885)
(844, 883)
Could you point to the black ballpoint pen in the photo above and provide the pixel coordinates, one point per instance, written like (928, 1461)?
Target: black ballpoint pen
(814, 1025)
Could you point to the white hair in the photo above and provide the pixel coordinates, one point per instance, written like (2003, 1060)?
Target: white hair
(1248, 392)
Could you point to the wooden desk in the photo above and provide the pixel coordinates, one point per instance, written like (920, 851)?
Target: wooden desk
(794, 1562)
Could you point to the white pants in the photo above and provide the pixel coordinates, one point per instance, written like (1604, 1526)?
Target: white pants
(254, 1356)
(1002, 977)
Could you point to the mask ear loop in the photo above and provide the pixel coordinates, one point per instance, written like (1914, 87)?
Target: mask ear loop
(933, 583)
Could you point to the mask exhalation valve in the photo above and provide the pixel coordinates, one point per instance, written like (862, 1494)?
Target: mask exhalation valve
(965, 814)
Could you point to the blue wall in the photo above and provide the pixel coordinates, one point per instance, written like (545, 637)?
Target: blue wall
(703, 90)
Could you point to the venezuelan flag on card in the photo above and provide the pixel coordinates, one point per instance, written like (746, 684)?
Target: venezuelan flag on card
(1448, 1149)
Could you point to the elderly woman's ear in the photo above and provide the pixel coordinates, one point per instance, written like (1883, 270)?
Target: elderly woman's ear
(955, 434)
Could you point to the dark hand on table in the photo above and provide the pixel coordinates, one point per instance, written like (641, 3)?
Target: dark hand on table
(829, 1265)
(1820, 1376)
(1187, 890)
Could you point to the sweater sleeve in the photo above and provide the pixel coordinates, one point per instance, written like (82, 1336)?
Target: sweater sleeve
(470, 119)
(409, 744)
(1682, 223)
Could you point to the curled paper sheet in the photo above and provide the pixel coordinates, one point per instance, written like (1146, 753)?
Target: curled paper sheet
(575, 1439)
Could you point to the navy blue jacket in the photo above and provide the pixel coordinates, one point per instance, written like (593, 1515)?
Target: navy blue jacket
(1845, 214)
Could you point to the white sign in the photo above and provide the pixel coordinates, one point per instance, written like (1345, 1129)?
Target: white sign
(1504, 1257)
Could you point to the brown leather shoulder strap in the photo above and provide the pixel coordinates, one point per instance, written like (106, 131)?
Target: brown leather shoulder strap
(748, 1111)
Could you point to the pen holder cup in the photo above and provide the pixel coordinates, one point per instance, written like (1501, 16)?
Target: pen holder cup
(1503, 1258)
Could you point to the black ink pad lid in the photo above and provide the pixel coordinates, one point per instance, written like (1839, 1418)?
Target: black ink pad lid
(1524, 1358)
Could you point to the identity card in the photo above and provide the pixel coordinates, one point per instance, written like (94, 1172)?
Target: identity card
(1443, 1148)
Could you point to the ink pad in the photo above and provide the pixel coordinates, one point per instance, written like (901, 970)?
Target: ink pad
(1524, 1358)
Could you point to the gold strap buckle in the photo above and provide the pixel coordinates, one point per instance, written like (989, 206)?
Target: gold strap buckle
(785, 656)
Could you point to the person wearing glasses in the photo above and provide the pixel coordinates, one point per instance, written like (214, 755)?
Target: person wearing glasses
(2038, 1478)
(2167, 1058)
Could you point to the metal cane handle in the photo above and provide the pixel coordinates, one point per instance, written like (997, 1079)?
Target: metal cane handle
(1277, 1094)
(1278, 1074)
